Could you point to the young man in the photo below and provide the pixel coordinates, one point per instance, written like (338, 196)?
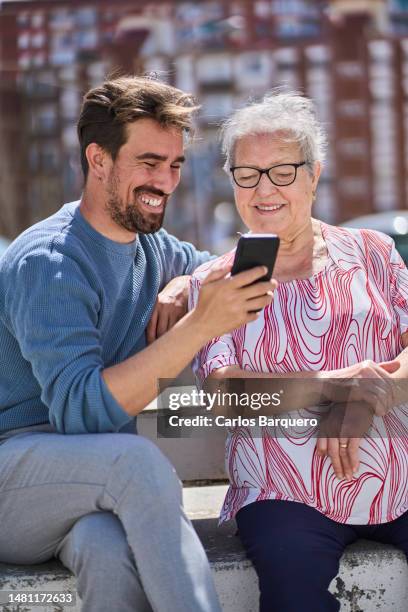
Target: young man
(77, 292)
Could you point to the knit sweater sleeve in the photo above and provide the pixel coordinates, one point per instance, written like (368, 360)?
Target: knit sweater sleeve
(53, 310)
(178, 257)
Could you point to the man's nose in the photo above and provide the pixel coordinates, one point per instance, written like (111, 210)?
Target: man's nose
(166, 180)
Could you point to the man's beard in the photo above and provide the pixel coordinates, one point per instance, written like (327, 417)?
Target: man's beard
(128, 216)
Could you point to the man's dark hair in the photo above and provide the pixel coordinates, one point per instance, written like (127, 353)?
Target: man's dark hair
(107, 109)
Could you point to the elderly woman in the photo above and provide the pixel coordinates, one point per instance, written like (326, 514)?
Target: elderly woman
(340, 311)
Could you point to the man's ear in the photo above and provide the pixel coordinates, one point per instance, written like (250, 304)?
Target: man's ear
(99, 161)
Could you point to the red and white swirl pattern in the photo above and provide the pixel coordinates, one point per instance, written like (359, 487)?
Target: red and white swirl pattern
(356, 308)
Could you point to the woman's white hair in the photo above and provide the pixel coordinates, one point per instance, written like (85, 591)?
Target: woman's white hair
(289, 113)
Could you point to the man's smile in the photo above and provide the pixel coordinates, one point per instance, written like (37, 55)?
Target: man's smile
(151, 200)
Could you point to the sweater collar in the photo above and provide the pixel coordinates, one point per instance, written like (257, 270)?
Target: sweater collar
(120, 248)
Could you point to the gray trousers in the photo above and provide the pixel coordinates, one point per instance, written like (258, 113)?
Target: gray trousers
(110, 507)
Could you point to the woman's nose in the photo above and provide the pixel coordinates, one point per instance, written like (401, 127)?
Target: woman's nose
(265, 186)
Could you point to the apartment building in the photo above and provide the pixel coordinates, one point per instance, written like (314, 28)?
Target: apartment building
(349, 55)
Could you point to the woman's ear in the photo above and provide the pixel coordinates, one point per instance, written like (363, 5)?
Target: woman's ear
(316, 175)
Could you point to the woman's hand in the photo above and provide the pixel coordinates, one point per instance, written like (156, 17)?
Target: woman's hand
(344, 455)
(341, 431)
(370, 390)
(171, 305)
(366, 381)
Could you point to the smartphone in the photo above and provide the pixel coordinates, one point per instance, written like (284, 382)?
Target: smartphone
(256, 250)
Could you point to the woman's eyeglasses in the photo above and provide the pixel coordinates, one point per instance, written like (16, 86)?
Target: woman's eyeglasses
(281, 175)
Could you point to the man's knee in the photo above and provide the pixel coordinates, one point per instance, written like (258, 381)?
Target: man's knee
(96, 539)
(143, 463)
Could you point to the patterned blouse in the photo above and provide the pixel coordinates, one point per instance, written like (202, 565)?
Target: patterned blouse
(356, 308)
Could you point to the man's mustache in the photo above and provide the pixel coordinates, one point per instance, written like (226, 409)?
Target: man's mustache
(152, 190)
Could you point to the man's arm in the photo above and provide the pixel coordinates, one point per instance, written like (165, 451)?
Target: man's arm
(178, 261)
(177, 258)
(224, 304)
(52, 308)
(54, 311)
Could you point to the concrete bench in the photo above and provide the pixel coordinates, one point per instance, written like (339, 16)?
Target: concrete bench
(194, 458)
(372, 577)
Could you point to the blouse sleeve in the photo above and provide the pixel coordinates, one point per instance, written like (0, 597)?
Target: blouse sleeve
(399, 287)
(217, 353)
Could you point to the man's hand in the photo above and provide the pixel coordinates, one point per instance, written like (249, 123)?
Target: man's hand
(341, 431)
(171, 305)
(228, 302)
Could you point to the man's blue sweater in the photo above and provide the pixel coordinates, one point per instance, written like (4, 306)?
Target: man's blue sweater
(73, 302)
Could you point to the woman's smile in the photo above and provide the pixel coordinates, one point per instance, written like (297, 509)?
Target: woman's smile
(268, 209)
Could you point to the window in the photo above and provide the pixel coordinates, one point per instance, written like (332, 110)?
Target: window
(38, 40)
(86, 17)
(216, 106)
(44, 119)
(23, 40)
(213, 69)
(37, 20)
(50, 157)
(253, 69)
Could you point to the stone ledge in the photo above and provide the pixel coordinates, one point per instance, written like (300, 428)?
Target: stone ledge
(372, 578)
(194, 458)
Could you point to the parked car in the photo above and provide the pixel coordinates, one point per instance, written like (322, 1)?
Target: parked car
(394, 223)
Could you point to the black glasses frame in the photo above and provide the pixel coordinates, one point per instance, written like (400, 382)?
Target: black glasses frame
(266, 171)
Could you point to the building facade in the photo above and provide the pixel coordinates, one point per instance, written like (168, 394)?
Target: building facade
(350, 56)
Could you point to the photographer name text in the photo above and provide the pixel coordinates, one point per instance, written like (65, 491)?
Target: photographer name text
(223, 421)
